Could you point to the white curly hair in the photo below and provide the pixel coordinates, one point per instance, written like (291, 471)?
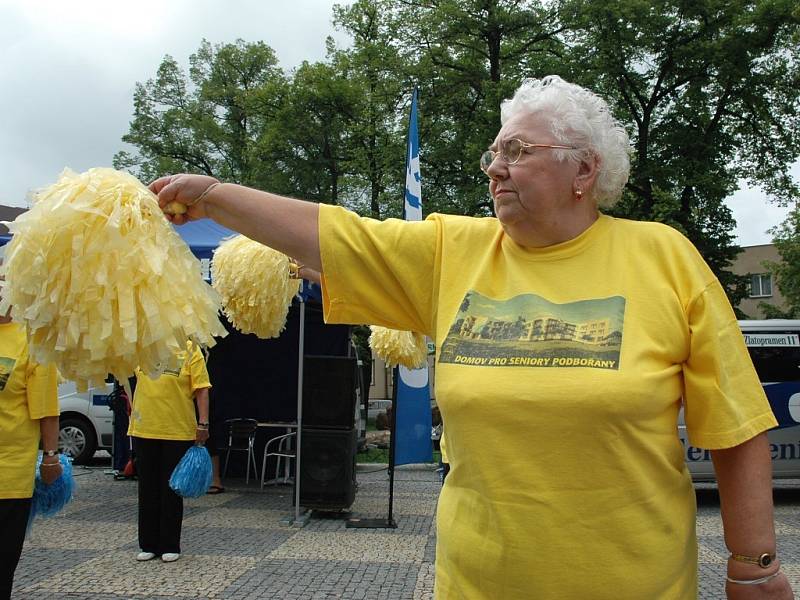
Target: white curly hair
(582, 119)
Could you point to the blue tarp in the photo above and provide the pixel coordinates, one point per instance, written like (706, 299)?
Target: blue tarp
(203, 236)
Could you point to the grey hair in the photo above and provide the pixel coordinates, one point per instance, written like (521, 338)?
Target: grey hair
(578, 118)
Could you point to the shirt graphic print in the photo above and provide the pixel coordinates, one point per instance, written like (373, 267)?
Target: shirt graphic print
(6, 368)
(530, 331)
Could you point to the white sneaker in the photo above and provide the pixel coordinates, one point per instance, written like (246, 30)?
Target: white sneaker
(145, 556)
(170, 556)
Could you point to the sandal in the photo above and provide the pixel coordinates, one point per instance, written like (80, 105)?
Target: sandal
(215, 489)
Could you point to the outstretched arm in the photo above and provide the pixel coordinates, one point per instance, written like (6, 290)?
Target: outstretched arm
(285, 224)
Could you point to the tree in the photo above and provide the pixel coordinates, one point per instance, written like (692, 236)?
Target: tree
(709, 89)
(375, 64)
(467, 56)
(786, 272)
(308, 138)
(209, 122)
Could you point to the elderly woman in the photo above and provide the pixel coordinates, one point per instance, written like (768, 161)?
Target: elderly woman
(567, 342)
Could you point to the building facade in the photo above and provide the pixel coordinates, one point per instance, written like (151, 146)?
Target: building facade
(762, 286)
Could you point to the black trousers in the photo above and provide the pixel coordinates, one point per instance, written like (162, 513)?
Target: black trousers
(13, 521)
(160, 509)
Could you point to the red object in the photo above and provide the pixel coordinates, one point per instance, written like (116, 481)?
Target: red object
(130, 469)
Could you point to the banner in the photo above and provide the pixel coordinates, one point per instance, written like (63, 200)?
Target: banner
(413, 406)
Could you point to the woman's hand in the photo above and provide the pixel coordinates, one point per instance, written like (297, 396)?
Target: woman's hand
(50, 469)
(201, 435)
(184, 189)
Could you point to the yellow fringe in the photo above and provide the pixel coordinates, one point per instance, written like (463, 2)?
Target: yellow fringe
(102, 282)
(405, 348)
(253, 281)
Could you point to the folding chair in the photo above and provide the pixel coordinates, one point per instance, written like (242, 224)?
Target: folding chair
(282, 449)
(241, 438)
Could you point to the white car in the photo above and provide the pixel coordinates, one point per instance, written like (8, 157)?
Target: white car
(774, 346)
(86, 423)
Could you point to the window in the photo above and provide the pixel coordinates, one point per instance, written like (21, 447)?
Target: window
(760, 285)
(776, 364)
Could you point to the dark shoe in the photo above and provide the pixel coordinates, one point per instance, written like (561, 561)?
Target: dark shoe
(215, 489)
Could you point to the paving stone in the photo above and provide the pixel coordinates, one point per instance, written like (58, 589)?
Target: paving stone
(222, 516)
(237, 546)
(66, 534)
(326, 579)
(354, 545)
(233, 541)
(404, 504)
(37, 564)
(423, 590)
(118, 573)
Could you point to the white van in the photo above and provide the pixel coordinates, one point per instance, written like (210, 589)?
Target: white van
(774, 346)
(86, 423)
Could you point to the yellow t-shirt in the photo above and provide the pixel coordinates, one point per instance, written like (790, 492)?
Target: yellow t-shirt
(28, 392)
(443, 447)
(163, 408)
(560, 373)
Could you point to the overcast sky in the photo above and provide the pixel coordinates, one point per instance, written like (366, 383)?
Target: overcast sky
(69, 67)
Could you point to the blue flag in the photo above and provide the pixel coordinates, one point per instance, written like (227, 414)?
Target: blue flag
(413, 406)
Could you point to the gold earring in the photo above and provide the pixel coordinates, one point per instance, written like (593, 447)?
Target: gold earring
(579, 194)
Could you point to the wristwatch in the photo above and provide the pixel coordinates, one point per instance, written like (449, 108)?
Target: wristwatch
(49, 452)
(762, 560)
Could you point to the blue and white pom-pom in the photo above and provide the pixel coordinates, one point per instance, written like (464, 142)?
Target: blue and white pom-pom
(49, 500)
(192, 477)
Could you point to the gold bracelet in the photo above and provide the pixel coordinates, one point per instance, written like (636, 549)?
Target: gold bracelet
(58, 464)
(762, 560)
(294, 269)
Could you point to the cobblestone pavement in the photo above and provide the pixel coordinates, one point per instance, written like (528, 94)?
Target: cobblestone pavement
(237, 545)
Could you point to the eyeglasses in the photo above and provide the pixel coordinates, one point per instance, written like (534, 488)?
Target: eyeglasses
(511, 151)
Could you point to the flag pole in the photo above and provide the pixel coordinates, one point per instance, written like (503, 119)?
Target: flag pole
(413, 143)
(392, 445)
(388, 522)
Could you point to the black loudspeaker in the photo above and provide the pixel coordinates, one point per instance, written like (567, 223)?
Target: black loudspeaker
(328, 468)
(329, 392)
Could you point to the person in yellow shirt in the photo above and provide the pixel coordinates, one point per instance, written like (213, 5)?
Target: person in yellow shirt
(567, 343)
(28, 413)
(163, 427)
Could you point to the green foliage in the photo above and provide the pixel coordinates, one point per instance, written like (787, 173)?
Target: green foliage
(210, 122)
(373, 455)
(468, 55)
(308, 140)
(786, 273)
(375, 178)
(771, 311)
(708, 90)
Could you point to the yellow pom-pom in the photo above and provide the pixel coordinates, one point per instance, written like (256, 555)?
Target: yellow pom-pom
(254, 283)
(102, 282)
(399, 347)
